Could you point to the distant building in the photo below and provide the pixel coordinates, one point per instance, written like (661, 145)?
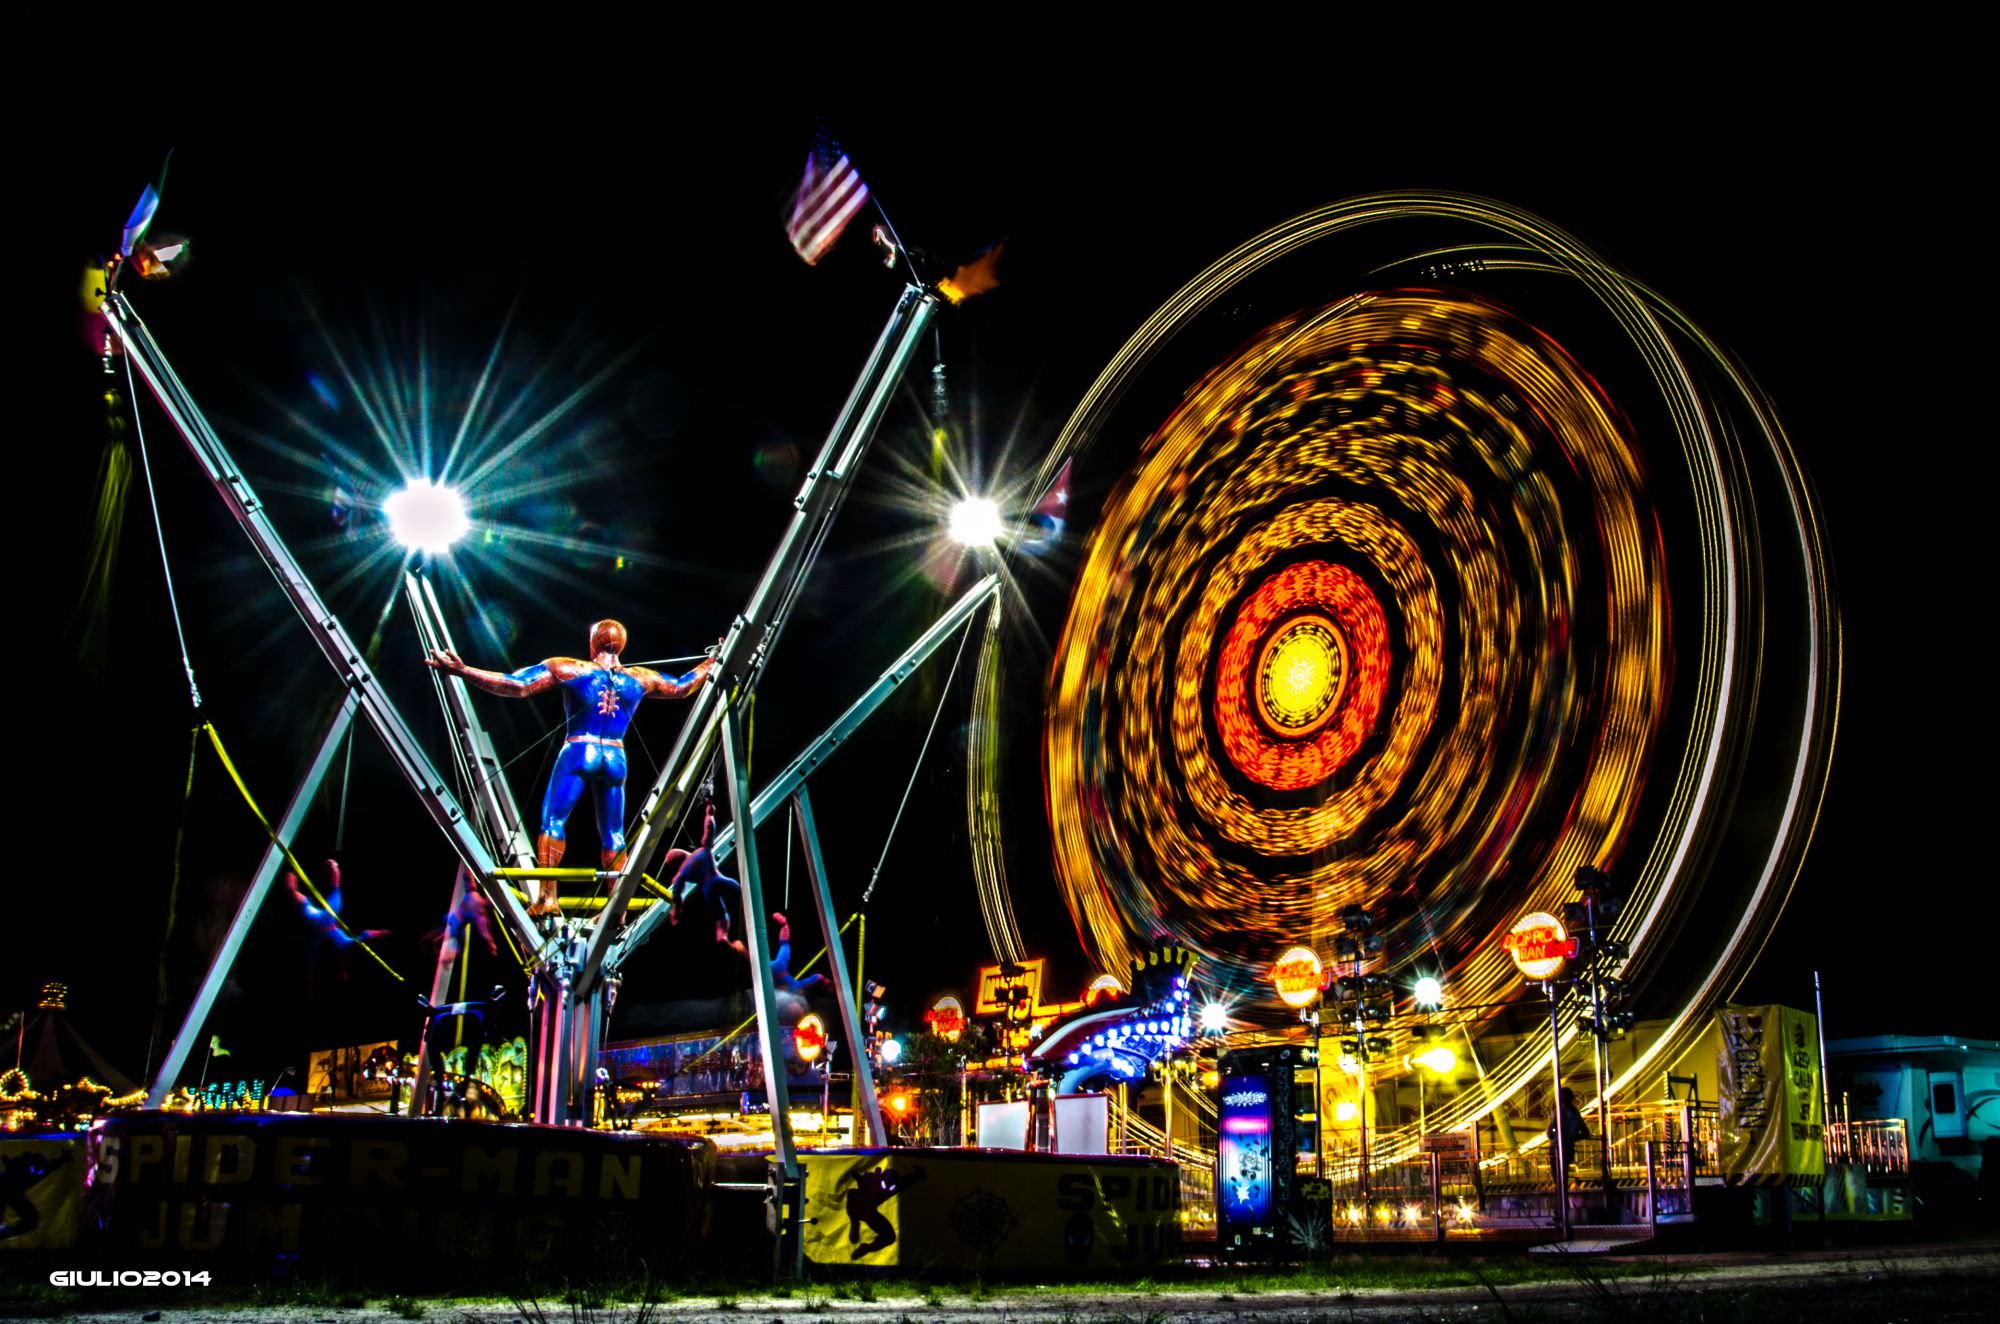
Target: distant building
(1946, 1087)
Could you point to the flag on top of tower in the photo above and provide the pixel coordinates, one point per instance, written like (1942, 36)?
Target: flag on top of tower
(139, 221)
(828, 197)
(980, 274)
(1051, 513)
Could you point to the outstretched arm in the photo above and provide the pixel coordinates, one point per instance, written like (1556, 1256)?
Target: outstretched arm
(673, 687)
(517, 685)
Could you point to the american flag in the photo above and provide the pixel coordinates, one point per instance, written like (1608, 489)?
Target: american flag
(828, 197)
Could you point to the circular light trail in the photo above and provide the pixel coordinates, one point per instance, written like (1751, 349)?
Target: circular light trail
(426, 516)
(1353, 670)
(1382, 614)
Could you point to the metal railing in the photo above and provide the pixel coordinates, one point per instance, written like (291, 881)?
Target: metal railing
(1879, 1147)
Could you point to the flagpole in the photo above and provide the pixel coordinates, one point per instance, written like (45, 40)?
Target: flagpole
(904, 253)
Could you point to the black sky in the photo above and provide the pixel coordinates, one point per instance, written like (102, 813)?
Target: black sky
(1804, 222)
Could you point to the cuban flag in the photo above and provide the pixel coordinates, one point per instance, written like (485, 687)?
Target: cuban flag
(1044, 526)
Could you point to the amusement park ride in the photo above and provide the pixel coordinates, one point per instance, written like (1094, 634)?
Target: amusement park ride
(576, 963)
(1268, 724)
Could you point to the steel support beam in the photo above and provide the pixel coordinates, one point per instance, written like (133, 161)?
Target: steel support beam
(844, 991)
(492, 798)
(793, 778)
(753, 636)
(334, 642)
(448, 953)
(756, 936)
(253, 898)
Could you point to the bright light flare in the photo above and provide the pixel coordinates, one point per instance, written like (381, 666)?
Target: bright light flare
(1440, 1059)
(892, 1052)
(1214, 1018)
(1429, 991)
(426, 516)
(974, 522)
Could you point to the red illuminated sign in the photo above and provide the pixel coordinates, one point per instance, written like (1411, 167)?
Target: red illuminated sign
(946, 1018)
(1298, 975)
(1539, 945)
(810, 1039)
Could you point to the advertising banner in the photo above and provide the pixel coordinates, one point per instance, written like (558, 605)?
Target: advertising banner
(41, 1192)
(1772, 1107)
(342, 1190)
(918, 1208)
(1243, 1158)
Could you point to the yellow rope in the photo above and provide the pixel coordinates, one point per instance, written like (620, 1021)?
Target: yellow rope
(804, 969)
(299, 870)
(507, 933)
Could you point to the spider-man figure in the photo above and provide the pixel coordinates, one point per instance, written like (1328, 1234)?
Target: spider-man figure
(599, 698)
(695, 876)
(328, 922)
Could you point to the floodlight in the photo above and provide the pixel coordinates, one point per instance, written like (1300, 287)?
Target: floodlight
(1440, 1059)
(425, 516)
(975, 522)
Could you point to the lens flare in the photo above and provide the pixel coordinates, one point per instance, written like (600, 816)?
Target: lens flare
(426, 517)
(975, 522)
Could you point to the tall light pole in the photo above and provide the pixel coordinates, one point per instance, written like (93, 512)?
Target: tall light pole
(1363, 1006)
(1592, 919)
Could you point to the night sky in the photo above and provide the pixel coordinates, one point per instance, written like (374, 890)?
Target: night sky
(1799, 226)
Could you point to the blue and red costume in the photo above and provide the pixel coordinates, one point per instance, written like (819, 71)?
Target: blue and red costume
(599, 697)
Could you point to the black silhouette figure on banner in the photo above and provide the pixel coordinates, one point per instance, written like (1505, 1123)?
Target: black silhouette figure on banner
(872, 1190)
(19, 1174)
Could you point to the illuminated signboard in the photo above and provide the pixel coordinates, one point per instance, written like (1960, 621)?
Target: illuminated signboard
(1104, 986)
(1243, 1152)
(1298, 976)
(1539, 945)
(946, 1018)
(996, 986)
(810, 1039)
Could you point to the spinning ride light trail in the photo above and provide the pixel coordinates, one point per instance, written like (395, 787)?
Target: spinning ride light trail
(1347, 665)
(1414, 501)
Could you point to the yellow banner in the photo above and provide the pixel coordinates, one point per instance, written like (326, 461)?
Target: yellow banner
(1772, 1106)
(989, 1211)
(41, 1193)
